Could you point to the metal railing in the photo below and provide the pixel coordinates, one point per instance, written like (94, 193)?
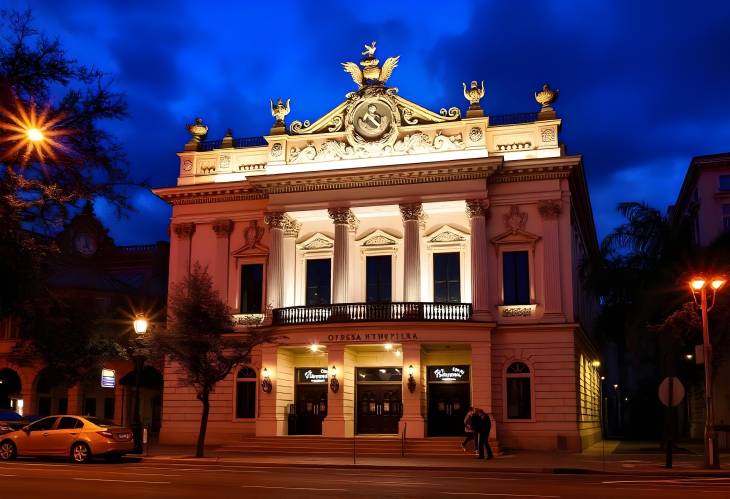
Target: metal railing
(372, 312)
(240, 142)
(512, 119)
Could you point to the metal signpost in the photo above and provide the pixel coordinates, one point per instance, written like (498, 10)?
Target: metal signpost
(671, 393)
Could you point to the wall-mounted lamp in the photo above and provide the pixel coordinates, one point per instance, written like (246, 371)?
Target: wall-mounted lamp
(334, 384)
(411, 379)
(596, 363)
(388, 347)
(266, 382)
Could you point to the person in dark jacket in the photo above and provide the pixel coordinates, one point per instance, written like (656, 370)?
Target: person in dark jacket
(470, 435)
(482, 425)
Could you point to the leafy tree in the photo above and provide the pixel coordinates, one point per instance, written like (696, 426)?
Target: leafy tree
(201, 338)
(44, 179)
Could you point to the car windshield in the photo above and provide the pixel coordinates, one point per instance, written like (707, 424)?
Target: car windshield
(99, 422)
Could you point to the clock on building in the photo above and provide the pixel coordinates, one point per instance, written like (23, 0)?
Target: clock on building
(85, 243)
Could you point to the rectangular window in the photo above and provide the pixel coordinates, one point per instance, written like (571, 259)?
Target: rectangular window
(518, 398)
(109, 408)
(726, 217)
(252, 288)
(246, 399)
(725, 183)
(378, 274)
(446, 278)
(516, 277)
(90, 407)
(318, 282)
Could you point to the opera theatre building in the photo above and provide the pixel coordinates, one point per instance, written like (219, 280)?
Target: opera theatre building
(412, 263)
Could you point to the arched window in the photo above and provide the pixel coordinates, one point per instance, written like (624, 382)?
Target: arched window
(519, 395)
(246, 393)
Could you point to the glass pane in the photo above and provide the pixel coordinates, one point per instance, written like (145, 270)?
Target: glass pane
(518, 398)
(378, 278)
(516, 277)
(246, 399)
(369, 374)
(43, 424)
(67, 423)
(725, 182)
(318, 281)
(252, 278)
(447, 278)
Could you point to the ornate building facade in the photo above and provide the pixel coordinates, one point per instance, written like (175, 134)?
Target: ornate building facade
(415, 264)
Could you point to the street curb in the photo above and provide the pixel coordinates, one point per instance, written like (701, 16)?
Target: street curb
(535, 470)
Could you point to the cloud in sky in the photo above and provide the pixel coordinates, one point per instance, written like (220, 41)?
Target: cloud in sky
(643, 84)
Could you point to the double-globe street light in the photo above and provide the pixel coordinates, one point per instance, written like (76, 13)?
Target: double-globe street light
(138, 355)
(699, 285)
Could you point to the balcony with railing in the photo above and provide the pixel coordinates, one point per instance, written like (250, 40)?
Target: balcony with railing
(372, 312)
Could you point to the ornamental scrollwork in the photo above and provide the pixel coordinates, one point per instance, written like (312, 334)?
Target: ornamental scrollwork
(477, 208)
(344, 216)
(412, 212)
(550, 208)
(515, 220)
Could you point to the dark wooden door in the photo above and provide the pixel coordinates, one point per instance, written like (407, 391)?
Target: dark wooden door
(447, 406)
(379, 408)
(311, 408)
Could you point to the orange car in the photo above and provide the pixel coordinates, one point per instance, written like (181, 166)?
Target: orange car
(78, 437)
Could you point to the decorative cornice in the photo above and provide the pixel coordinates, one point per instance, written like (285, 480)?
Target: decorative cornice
(210, 194)
(275, 219)
(184, 230)
(515, 220)
(223, 228)
(477, 208)
(344, 216)
(550, 208)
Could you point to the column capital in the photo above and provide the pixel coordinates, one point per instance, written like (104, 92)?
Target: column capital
(477, 208)
(222, 228)
(291, 226)
(550, 208)
(184, 230)
(344, 216)
(275, 219)
(412, 212)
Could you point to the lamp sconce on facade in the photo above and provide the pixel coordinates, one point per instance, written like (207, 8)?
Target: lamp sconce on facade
(334, 384)
(266, 382)
(411, 379)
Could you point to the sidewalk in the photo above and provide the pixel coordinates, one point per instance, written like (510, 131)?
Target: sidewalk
(610, 457)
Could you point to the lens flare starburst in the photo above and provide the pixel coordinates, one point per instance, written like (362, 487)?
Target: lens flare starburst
(29, 135)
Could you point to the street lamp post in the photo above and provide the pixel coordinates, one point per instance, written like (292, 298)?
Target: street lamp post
(699, 285)
(140, 328)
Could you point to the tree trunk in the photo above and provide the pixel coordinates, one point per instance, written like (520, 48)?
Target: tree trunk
(204, 399)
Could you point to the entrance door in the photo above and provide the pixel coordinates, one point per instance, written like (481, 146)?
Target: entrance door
(447, 406)
(311, 408)
(379, 408)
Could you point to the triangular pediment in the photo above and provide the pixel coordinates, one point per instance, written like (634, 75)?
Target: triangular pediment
(252, 235)
(516, 237)
(447, 234)
(378, 237)
(317, 241)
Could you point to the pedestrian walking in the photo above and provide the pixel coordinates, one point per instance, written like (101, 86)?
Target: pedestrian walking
(469, 430)
(482, 424)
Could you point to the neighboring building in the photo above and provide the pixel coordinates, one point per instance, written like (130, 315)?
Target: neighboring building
(112, 280)
(416, 263)
(704, 199)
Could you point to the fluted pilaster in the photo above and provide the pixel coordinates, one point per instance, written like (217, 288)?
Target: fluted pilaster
(345, 221)
(412, 216)
(477, 211)
(274, 270)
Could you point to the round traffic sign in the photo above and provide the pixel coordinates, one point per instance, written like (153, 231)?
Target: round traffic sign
(677, 393)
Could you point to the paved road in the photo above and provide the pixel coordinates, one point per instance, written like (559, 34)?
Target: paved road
(56, 479)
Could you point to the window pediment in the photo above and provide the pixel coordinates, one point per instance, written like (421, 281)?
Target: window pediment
(447, 234)
(518, 237)
(378, 238)
(317, 241)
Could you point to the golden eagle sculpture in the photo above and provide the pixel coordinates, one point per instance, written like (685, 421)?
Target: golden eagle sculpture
(371, 73)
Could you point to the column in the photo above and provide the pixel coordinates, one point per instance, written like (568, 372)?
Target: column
(481, 380)
(413, 403)
(291, 232)
(340, 406)
(75, 399)
(550, 212)
(275, 265)
(184, 233)
(222, 229)
(345, 222)
(477, 211)
(412, 217)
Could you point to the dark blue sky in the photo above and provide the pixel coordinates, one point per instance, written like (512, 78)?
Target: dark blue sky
(644, 85)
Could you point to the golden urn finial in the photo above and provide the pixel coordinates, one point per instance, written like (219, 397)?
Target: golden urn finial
(279, 112)
(546, 97)
(197, 131)
(371, 73)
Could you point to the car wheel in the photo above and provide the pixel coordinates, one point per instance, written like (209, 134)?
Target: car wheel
(8, 451)
(80, 453)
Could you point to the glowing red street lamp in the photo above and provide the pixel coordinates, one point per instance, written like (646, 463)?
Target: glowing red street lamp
(699, 285)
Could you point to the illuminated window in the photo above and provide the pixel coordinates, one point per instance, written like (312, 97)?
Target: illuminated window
(446, 278)
(516, 277)
(252, 287)
(319, 273)
(246, 393)
(519, 394)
